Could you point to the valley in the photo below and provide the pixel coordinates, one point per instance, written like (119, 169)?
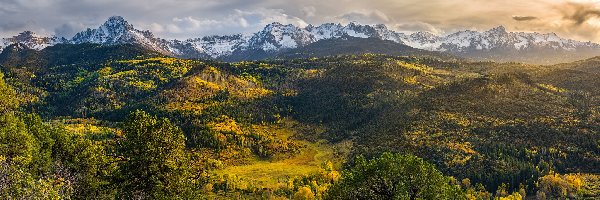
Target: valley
(331, 111)
(272, 128)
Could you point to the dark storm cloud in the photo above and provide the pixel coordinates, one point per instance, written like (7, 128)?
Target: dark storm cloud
(524, 18)
(11, 26)
(169, 18)
(7, 10)
(579, 13)
(68, 30)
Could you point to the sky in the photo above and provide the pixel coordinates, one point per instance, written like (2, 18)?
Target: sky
(181, 19)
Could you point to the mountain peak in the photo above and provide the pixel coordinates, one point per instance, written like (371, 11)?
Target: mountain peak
(499, 29)
(274, 25)
(117, 22)
(116, 30)
(277, 28)
(27, 33)
(380, 27)
(26, 36)
(423, 34)
(29, 40)
(277, 36)
(116, 19)
(354, 23)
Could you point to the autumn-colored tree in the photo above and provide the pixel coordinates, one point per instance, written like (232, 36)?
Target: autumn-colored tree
(304, 193)
(560, 186)
(8, 100)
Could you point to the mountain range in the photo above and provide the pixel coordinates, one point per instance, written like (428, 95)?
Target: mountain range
(496, 44)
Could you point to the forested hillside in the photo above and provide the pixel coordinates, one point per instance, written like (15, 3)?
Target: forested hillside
(111, 122)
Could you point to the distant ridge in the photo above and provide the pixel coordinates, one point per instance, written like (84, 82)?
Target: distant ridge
(354, 46)
(496, 44)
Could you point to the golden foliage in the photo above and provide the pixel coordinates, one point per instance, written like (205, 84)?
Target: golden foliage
(304, 193)
(412, 80)
(416, 67)
(226, 124)
(513, 196)
(161, 60)
(558, 185)
(551, 88)
(203, 83)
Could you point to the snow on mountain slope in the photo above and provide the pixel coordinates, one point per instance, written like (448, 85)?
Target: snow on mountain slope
(496, 38)
(330, 31)
(325, 31)
(276, 37)
(386, 34)
(422, 40)
(118, 31)
(4, 43)
(217, 46)
(31, 41)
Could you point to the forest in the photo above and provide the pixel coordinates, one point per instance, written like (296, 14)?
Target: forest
(120, 122)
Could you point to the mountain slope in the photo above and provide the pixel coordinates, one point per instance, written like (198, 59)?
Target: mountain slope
(355, 46)
(491, 123)
(499, 45)
(496, 44)
(46, 75)
(490, 126)
(30, 40)
(116, 31)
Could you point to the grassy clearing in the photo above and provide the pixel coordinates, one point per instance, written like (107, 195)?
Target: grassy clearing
(273, 173)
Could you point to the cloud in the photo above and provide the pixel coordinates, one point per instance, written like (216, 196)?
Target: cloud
(365, 16)
(418, 26)
(182, 19)
(10, 7)
(580, 13)
(8, 10)
(68, 30)
(12, 26)
(524, 18)
(157, 28)
(250, 20)
(188, 24)
(262, 17)
(243, 22)
(309, 11)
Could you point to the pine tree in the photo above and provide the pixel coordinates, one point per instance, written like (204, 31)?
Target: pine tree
(155, 163)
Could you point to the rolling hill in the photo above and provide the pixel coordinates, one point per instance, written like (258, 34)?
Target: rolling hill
(305, 115)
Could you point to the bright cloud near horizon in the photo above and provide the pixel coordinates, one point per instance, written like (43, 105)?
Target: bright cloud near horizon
(181, 19)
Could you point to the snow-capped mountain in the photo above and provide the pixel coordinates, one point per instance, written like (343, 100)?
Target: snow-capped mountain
(496, 38)
(495, 44)
(30, 40)
(277, 36)
(330, 31)
(118, 31)
(218, 46)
